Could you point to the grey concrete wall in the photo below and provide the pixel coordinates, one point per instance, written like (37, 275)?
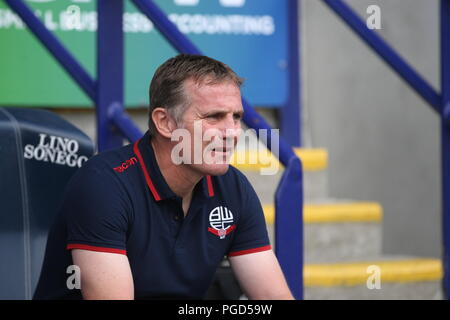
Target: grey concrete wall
(383, 140)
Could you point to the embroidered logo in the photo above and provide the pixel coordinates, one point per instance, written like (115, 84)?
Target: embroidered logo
(126, 165)
(221, 222)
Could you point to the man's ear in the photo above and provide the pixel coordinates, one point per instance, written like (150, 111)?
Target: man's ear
(163, 121)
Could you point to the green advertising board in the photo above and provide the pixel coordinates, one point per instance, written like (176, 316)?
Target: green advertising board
(249, 35)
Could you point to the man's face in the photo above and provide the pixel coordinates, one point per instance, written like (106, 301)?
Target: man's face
(213, 122)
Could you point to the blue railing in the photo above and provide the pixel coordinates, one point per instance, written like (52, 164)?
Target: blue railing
(107, 94)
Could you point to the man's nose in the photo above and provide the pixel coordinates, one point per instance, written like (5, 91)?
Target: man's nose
(230, 127)
(230, 122)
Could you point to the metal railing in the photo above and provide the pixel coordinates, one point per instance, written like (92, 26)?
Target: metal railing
(107, 94)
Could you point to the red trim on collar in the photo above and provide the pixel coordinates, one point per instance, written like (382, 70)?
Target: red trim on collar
(144, 170)
(210, 186)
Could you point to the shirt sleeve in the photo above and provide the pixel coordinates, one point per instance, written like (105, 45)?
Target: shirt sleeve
(251, 232)
(96, 209)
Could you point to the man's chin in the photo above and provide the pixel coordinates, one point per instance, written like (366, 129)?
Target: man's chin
(213, 169)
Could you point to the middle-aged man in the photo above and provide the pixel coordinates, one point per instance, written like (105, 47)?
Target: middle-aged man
(145, 222)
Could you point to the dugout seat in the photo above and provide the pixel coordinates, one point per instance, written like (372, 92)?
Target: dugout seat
(39, 152)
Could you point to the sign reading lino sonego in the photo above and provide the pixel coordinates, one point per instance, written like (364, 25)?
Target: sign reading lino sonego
(249, 35)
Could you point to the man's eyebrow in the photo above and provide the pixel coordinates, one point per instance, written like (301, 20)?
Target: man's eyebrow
(222, 112)
(215, 111)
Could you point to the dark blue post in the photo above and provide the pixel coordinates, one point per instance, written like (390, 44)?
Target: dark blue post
(289, 226)
(289, 194)
(290, 113)
(109, 71)
(445, 139)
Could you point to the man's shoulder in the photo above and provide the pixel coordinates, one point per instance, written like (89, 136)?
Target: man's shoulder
(105, 165)
(97, 179)
(111, 160)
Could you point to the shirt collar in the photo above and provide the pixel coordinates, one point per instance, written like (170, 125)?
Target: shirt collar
(155, 181)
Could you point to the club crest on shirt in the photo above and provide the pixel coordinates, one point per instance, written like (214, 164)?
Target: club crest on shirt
(221, 222)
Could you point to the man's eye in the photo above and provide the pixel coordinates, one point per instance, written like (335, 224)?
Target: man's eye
(237, 116)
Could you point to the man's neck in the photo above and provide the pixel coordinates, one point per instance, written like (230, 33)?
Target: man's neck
(180, 180)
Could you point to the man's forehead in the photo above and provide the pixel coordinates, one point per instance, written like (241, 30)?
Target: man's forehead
(208, 85)
(222, 95)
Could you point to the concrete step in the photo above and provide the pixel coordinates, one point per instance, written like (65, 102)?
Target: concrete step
(337, 231)
(399, 278)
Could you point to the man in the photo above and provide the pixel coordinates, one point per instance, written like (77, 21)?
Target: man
(144, 221)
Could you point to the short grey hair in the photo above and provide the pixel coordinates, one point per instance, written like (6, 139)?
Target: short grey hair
(167, 86)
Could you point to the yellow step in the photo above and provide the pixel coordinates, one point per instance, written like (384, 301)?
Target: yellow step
(312, 159)
(352, 274)
(334, 212)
